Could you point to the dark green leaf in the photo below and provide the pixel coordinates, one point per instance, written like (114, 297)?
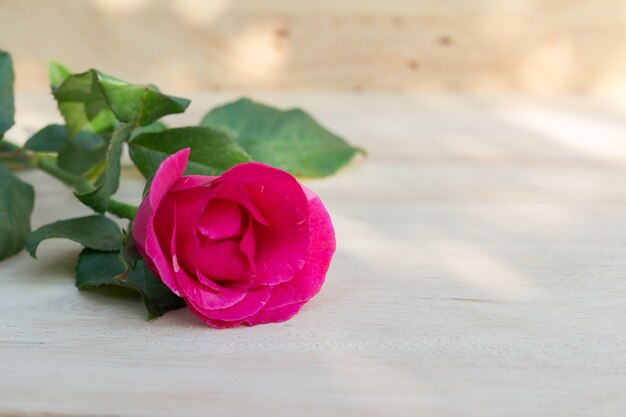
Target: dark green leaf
(7, 107)
(82, 153)
(96, 269)
(96, 232)
(141, 105)
(77, 155)
(51, 138)
(291, 140)
(212, 150)
(151, 128)
(129, 255)
(97, 197)
(16, 206)
(85, 98)
(57, 73)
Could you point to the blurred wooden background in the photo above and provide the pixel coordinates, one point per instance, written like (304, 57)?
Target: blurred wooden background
(549, 46)
(480, 264)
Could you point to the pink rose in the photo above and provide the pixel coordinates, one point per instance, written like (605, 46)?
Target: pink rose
(250, 246)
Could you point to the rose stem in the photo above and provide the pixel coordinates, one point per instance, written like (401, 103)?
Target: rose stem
(123, 210)
(126, 211)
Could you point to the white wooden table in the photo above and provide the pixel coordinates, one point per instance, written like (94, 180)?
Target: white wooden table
(480, 271)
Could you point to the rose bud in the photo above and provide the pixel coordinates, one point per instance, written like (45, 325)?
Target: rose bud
(250, 246)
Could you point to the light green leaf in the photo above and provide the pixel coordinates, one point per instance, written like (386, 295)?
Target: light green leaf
(291, 140)
(97, 197)
(7, 106)
(83, 105)
(57, 73)
(96, 269)
(92, 100)
(16, 206)
(96, 232)
(212, 150)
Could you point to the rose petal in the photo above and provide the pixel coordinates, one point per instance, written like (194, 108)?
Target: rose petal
(192, 181)
(170, 170)
(220, 219)
(177, 217)
(190, 205)
(207, 281)
(140, 233)
(276, 315)
(206, 297)
(248, 246)
(308, 281)
(144, 235)
(217, 324)
(222, 260)
(282, 244)
(251, 304)
(235, 192)
(159, 263)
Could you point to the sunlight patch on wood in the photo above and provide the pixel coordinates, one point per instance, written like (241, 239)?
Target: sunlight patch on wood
(120, 7)
(255, 57)
(591, 136)
(199, 12)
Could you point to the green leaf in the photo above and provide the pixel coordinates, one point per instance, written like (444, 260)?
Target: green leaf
(141, 105)
(83, 105)
(77, 155)
(97, 197)
(291, 140)
(82, 153)
(212, 150)
(51, 138)
(97, 269)
(16, 206)
(129, 255)
(92, 96)
(96, 232)
(151, 128)
(57, 73)
(7, 106)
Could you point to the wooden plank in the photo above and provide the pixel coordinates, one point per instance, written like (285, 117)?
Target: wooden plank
(479, 272)
(568, 46)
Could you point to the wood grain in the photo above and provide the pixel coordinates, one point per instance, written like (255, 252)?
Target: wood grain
(570, 46)
(479, 272)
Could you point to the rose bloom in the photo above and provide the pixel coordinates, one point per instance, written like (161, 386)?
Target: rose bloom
(250, 246)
